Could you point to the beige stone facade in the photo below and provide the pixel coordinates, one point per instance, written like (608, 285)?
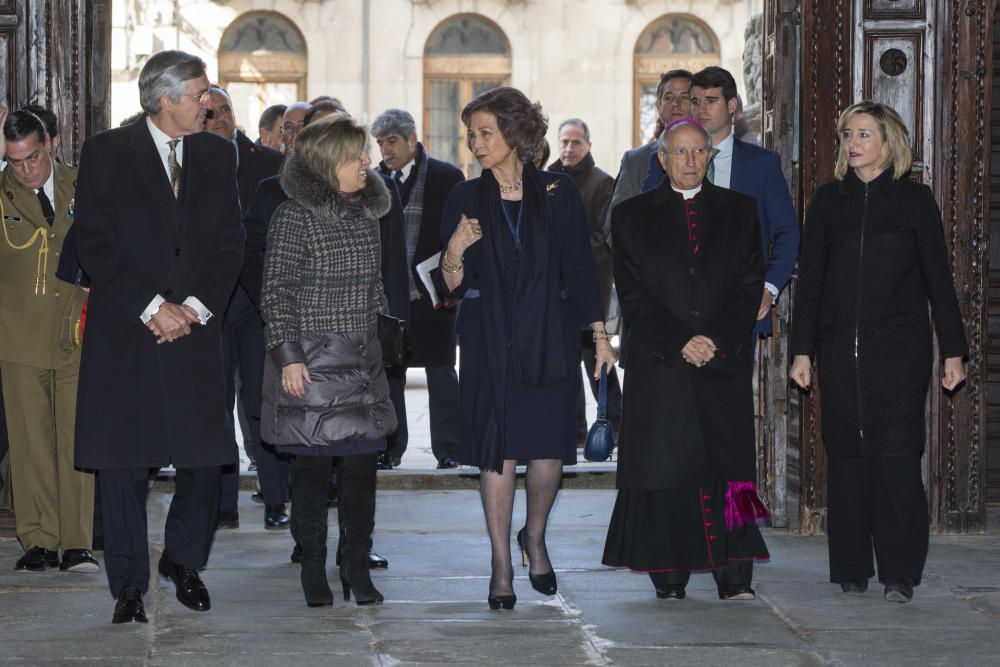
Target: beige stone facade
(577, 57)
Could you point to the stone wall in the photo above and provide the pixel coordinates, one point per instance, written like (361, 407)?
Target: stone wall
(575, 57)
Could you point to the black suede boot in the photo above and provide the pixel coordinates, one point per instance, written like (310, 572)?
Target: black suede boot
(357, 520)
(312, 477)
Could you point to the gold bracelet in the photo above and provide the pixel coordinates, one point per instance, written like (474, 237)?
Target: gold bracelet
(600, 334)
(448, 267)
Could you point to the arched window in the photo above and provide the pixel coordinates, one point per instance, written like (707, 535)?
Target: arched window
(262, 61)
(464, 56)
(670, 42)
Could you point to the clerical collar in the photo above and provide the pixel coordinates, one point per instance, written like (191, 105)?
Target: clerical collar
(687, 194)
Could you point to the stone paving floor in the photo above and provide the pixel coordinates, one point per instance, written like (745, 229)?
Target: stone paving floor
(436, 614)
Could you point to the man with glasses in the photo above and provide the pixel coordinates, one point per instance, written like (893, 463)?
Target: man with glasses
(294, 121)
(40, 354)
(158, 234)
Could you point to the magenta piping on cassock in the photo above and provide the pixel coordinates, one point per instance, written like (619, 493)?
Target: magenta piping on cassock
(743, 505)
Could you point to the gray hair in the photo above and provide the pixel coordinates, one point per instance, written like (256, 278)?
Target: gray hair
(661, 143)
(578, 122)
(394, 121)
(164, 75)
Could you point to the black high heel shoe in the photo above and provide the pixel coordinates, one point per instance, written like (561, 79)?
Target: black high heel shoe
(501, 601)
(544, 583)
(371, 596)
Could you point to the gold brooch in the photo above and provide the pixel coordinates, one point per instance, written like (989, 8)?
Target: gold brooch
(552, 186)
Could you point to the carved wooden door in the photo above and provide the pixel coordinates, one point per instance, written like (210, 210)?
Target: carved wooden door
(56, 53)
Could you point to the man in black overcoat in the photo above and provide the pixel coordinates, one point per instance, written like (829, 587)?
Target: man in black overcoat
(243, 337)
(424, 184)
(159, 236)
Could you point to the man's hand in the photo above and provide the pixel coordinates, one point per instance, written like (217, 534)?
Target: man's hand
(170, 322)
(699, 351)
(448, 303)
(191, 314)
(765, 304)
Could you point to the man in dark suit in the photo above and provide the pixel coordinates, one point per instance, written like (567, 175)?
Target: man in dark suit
(159, 236)
(424, 184)
(243, 338)
(749, 169)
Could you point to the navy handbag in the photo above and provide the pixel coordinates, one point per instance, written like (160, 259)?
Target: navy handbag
(601, 438)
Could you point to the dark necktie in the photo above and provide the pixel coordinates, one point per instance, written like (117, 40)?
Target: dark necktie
(43, 199)
(711, 166)
(175, 168)
(398, 177)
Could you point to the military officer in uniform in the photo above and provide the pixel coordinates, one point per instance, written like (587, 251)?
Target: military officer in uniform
(40, 332)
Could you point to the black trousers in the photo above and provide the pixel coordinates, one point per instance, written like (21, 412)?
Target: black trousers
(442, 397)
(243, 352)
(876, 501)
(587, 351)
(189, 529)
(736, 573)
(396, 442)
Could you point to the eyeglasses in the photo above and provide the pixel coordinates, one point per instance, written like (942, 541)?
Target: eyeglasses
(682, 153)
(201, 98)
(289, 126)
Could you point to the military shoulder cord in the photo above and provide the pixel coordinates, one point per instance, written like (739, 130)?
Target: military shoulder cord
(42, 267)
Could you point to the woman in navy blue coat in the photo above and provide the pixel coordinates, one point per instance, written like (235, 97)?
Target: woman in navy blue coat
(518, 253)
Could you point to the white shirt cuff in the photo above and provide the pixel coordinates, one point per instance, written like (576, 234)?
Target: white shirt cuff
(773, 290)
(204, 314)
(152, 309)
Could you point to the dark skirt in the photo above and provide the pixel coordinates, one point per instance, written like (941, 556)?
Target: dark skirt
(540, 421)
(678, 530)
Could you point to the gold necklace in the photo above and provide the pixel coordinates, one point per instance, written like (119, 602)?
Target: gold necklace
(507, 189)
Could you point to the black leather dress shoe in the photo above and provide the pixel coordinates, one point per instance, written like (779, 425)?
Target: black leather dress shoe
(191, 591)
(898, 591)
(78, 560)
(275, 517)
(376, 562)
(384, 462)
(37, 559)
(737, 592)
(257, 497)
(129, 607)
(447, 463)
(671, 592)
(227, 520)
(855, 586)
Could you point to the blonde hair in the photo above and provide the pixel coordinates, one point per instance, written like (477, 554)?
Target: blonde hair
(896, 151)
(326, 143)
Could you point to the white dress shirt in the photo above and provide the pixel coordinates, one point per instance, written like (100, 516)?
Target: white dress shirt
(162, 142)
(404, 173)
(50, 186)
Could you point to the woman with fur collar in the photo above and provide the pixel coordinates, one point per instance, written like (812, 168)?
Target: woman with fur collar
(325, 390)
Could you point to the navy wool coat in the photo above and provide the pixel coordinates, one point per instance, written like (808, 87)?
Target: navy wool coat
(141, 404)
(520, 321)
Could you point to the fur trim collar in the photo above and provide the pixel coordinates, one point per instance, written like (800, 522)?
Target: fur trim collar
(314, 193)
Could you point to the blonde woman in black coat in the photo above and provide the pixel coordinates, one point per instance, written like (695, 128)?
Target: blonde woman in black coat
(873, 258)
